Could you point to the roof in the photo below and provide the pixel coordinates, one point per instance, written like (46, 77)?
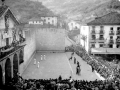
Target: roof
(112, 18)
(3, 9)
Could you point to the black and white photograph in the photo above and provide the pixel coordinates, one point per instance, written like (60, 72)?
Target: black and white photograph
(59, 44)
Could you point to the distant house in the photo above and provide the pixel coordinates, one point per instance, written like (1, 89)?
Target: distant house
(47, 22)
(73, 25)
(102, 34)
(50, 19)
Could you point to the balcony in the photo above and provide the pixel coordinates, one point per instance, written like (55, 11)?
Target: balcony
(111, 33)
(7, 50)
(101, 39)
(101, 32)
(111, 41)
(93, 40)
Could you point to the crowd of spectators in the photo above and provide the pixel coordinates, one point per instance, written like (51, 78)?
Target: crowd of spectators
(106, 69)
(70, 84)
(62, 84)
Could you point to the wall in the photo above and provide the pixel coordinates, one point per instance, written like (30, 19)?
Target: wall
(50, 39)
(29, 49)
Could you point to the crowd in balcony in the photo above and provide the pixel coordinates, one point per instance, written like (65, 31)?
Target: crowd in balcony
(61, 84)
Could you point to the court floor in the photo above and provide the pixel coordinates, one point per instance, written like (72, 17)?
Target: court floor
(56, 64)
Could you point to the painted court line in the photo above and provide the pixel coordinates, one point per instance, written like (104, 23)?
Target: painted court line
(70, 66)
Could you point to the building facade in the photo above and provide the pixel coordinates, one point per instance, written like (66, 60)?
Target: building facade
(12, 42)
(50, 20)
(103, 34)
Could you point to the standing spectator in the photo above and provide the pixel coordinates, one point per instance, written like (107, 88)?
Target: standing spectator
(77, 63)
(74, 60)
(77, 70)
(41, 57)
(92, 68)
(38, 64)
(34, 61)
(70, 58)
(60, 78)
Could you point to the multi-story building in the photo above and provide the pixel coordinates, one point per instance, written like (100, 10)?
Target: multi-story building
(12, 42)
(103, 35)
(47, 22)
(50, 19)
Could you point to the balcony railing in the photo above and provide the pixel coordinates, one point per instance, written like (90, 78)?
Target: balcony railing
(111, 33)
(4, 51)
(93, 38)
(101, 32)
(101, 39)
(111, 41)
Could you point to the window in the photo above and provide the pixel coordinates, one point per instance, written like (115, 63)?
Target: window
(118, 28)
(93, 37)
(118, 36)
(111, 28)
(101, 27)
(92, 45)
(101, 45)
(118, 39)
(93, 27)
(110, 46)
(111, 37)
(118, 46)
(101, 37)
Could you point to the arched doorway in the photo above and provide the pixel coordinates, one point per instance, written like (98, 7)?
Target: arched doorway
(1, 81)
(15, 66)
(21, 57)
(8, 75)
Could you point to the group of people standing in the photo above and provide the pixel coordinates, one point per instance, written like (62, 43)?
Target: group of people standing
(78, 69)
(43, 57)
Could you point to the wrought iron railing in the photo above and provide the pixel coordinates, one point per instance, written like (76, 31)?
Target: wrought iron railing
(111, 41)
(111, 33)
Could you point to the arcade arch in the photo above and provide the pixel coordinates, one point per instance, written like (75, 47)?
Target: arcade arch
(15, 66)
(1, 76)
(8, 74)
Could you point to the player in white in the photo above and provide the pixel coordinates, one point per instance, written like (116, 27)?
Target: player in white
(41, 57)
(34, 61)
(38, 64)
(44, 57)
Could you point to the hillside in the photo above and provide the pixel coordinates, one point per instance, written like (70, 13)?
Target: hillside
(25, 9)
(82, 10)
